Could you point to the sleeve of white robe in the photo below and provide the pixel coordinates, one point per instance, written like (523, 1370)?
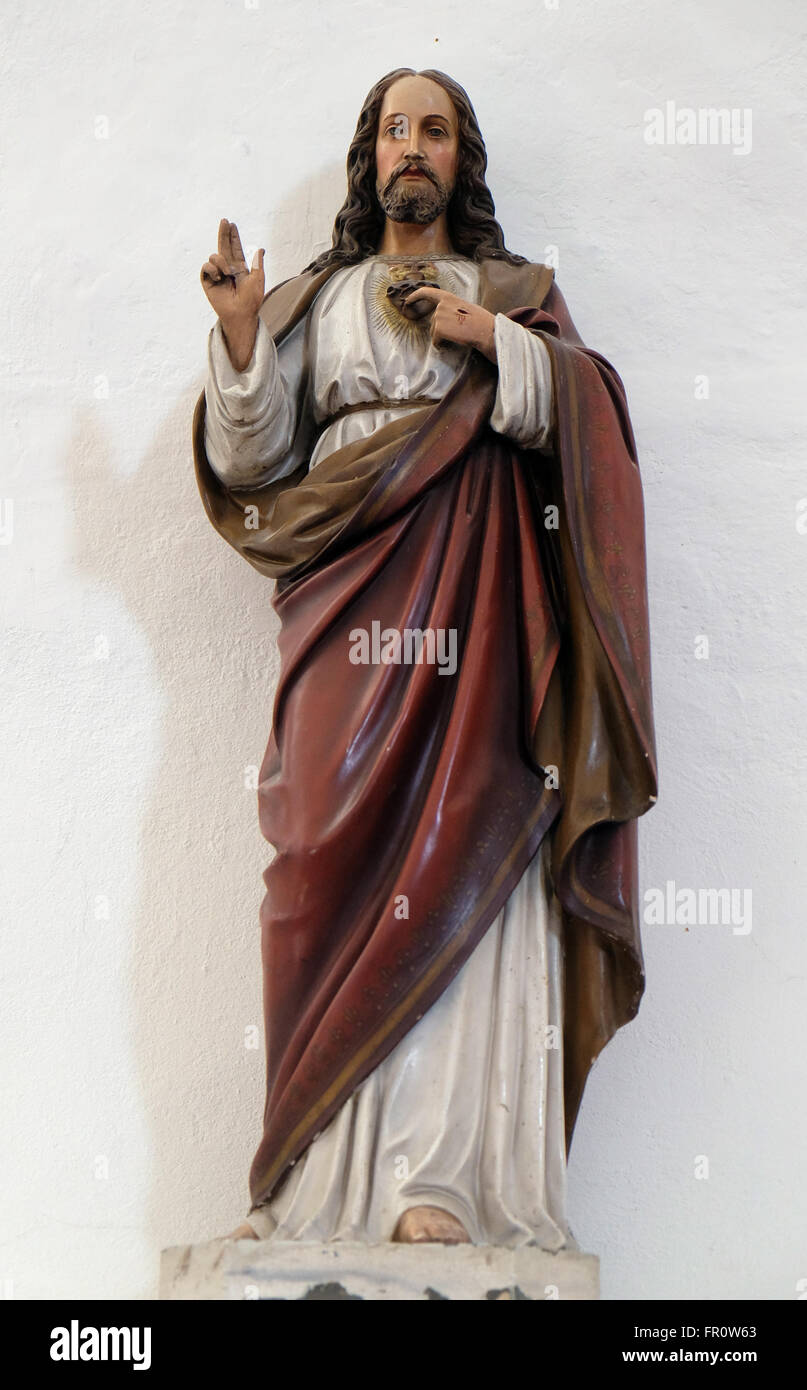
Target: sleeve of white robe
(523, 406)
(251, 416)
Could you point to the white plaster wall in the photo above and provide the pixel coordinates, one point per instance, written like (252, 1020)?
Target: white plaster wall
(140, 656)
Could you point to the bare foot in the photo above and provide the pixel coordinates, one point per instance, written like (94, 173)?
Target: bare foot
(242, 1232)
(422, 1224)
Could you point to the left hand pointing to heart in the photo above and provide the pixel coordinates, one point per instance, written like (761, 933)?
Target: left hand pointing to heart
(456, 321)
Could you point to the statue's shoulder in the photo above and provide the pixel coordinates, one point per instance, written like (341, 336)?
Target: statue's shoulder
(506, 286)
(286, 302)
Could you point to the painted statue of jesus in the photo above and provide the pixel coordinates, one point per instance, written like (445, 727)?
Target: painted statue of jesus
(412, 440)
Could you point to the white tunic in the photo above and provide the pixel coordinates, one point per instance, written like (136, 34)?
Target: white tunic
(466, 1113)
(359, 348)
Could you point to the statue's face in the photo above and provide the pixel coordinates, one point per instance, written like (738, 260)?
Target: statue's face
(417, 146)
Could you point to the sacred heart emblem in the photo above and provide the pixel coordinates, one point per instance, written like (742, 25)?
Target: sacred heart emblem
(406, 279)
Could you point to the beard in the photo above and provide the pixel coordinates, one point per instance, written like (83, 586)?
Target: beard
(423, 204)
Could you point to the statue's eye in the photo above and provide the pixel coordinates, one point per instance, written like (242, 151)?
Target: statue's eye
(399, 129)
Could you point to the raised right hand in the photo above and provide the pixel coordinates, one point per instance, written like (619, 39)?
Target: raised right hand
(235, 292)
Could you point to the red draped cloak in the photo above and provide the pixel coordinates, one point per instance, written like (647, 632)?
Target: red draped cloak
(405, 805)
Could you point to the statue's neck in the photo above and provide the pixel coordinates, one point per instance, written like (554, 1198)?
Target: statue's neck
(413, 239)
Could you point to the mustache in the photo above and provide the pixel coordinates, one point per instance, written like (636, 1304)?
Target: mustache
(412, 164)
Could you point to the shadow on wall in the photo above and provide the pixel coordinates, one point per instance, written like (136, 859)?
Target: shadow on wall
(194, 960)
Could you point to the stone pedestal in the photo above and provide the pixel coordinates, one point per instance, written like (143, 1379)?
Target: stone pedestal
(284, 1271)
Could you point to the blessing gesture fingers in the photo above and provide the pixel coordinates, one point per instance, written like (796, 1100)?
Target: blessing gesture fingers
(236, 292)
(454, 320)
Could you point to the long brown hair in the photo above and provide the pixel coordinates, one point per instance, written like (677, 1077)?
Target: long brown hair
(472, 225)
